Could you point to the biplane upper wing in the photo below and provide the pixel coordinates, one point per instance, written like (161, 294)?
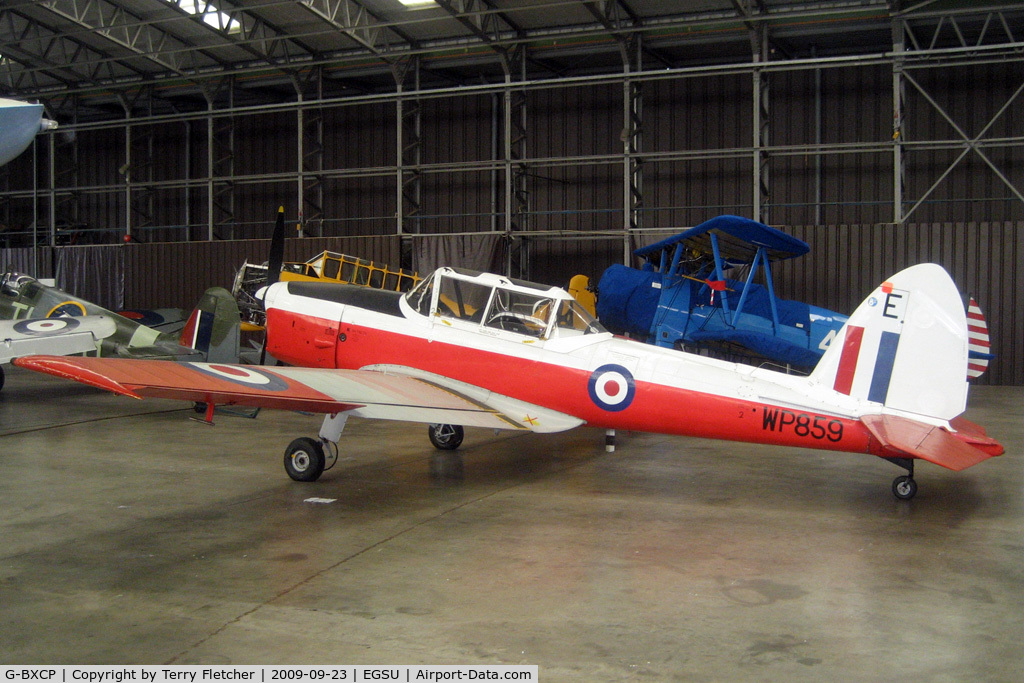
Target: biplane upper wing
(738, 240)
(364, 393)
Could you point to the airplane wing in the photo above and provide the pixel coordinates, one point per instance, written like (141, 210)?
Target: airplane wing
(909, 438)
(55, 336)
(738, 240)
(363, 393)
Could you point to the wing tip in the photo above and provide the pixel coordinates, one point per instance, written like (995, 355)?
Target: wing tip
(66, 368)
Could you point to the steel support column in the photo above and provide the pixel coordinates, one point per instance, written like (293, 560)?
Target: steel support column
(64, 175)
(898, 133)
(139, 168)
(514, 159)
(761, 124)
(310, 157)
(220, 164)
(408, 145)
(409, 155)
(632, 139)
(5, 200)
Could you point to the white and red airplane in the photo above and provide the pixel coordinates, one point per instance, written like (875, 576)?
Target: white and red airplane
(478, 349)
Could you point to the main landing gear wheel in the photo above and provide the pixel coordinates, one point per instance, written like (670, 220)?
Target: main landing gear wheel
(904, 487)
(446, 437)
(304, 459)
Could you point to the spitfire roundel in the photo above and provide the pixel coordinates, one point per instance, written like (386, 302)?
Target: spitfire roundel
(44, 327)
(612, 387)
(249, 377)
(67, 309)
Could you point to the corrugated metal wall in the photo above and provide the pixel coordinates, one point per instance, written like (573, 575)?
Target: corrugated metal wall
(696, 141)
(708, 118)
(985, 259)
(973, 98)
(176, 274)
(696, 160)
(845, 263)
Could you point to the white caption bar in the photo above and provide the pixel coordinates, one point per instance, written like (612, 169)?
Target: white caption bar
(265, 674)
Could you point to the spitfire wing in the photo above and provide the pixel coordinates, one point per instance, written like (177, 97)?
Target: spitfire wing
(58, 336)
(361, 392)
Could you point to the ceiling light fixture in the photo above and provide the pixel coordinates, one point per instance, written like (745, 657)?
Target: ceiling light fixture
(212, 16)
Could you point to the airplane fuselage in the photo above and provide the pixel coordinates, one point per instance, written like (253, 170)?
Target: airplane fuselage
(483, 350)
(604, 381)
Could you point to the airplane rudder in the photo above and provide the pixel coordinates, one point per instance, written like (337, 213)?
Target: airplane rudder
(213, 327)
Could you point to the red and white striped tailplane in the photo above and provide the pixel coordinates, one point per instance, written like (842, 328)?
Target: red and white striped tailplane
(978, 343)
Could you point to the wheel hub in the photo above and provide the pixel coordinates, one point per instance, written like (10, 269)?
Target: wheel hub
(300, 461)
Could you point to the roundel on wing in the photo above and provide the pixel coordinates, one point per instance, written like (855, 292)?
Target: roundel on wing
(44, 327)
(248, 377)
(611, 387)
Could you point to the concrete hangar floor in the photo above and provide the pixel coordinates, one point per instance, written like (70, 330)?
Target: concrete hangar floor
(131, 534)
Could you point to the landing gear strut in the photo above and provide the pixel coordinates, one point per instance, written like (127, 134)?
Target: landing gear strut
(904, 487)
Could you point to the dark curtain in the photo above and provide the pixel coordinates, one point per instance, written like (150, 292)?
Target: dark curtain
(476, 252)
(95, 274)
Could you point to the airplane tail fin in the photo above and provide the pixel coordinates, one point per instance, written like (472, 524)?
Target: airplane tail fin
(905, 346)
(980, 348)
(213, 327)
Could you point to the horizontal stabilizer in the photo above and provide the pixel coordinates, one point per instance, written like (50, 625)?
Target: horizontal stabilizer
(53, 336)
(902, 437)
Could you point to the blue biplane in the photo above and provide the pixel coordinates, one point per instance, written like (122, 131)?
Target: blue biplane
(683, 296)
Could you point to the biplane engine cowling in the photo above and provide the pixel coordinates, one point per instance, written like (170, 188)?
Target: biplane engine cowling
(628, 299)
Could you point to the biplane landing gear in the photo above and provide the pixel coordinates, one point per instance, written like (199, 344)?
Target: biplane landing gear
(304, 459)
(904, 487)
(446, 437)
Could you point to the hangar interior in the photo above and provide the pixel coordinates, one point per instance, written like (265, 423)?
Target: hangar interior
(539, 139)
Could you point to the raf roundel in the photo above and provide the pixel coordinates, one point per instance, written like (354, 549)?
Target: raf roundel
(248, 377)
(44, 327)
(611, 387)
(67, 309)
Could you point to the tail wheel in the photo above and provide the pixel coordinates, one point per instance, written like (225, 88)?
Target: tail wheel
(904, 487)
(446, 437)
(304, 459)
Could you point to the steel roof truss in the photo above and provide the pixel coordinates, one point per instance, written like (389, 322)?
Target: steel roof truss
(482, 20)
(355, 21)
(987, 34)
(115, 24)
(258, 37)
(43, 49)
